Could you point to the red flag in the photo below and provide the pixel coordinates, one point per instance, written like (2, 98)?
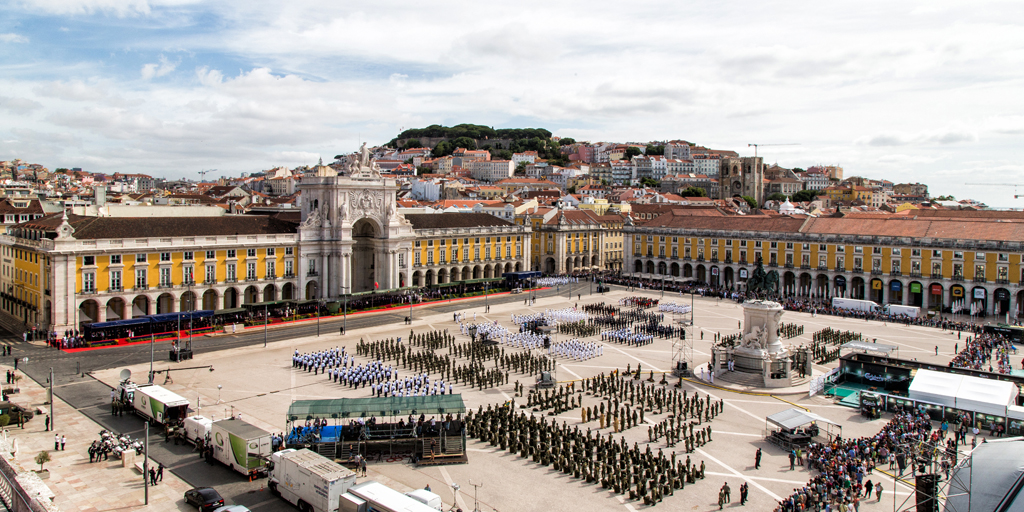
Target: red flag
(376, 285)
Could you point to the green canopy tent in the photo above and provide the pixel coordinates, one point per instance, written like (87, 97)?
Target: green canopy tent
(340, 408)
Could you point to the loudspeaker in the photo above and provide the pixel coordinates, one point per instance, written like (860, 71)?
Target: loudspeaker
(927, 489)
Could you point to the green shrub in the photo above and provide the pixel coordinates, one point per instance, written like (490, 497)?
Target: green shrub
(5, 420)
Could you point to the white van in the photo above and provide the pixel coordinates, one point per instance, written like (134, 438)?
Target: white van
(196, 427)
(427, 498)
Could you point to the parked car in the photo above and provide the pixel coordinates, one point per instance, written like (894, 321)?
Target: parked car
(14, 411)
(204, 498)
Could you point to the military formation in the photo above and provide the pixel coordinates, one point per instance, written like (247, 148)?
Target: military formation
(488, 365)
(826, 343)
(602, 459)
(788, 331)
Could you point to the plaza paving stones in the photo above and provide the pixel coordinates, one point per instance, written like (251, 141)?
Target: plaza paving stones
(77, 484)
(260, 383)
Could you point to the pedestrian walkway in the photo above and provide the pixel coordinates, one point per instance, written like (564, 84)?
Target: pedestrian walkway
(77, 484)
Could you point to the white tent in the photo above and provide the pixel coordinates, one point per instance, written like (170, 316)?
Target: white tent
(935, 387)
(987, 396)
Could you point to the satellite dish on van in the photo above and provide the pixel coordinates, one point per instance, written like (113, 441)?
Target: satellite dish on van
(126, 374)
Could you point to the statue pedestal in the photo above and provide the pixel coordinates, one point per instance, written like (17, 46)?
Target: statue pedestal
(761, 351)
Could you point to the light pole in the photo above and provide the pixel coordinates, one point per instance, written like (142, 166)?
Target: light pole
(145, 465)
(344, 317)
(152, 347)
(52, 419)
(266, 320)
(319, 304)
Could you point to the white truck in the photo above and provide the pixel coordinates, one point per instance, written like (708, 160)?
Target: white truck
(855, 304)
(196, 427)
(375, 496)
(242, 446)
(155, 403)
(309, 480)
(897, 309)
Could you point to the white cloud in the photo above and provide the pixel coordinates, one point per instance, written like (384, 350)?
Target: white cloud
(880, 90)
(19, 105)
(165, 67)
(121, 8)
(11, 37)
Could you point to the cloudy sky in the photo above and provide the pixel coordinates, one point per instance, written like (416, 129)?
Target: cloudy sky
(909, 91)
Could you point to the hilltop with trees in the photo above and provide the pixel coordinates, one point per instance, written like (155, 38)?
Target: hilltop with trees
(501, 143)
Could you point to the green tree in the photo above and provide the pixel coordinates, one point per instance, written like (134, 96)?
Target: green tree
(42, 458)
(777, 197)
(805, 195)
(693, 192)
(463, 142)
(655, 150)
(421, 170)
(521, 168)
(572, 189)
(945, 198)
(442, 148)
(5, 420)
(412, 143)
(632, 151)
(750, 201)
(797, 169)
(604, 182)
(565, 141)
(650, 182)
(336, 157)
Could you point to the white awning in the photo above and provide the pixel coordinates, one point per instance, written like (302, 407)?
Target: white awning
(793, 418)
(870, 347)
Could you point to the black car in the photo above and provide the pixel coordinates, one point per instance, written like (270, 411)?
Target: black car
(204, 498)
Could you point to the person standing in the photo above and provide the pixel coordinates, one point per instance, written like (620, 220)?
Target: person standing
(56, 442)
(62, 440)
(792, 460)
(878, 491)
(744, 489)
(47, 422)
(757, 459)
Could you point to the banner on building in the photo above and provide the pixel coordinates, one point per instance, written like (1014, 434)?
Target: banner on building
(958, 291)
(937, 289)
(979, 293)
(876, 285)
(915, 287)
(743, 273)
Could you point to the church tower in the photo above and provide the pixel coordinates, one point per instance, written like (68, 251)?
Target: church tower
(742, 176)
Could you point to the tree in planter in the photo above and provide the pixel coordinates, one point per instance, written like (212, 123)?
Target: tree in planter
(42, 458)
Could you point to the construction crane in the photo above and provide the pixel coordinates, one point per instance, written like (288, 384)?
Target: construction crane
(204, 171)
(1014, 185)
(758, 145)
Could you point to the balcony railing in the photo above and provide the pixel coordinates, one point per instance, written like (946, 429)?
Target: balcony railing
(805, 266)
(728, 261)
(117, 288)
(824, 267)
(312, 273)
(915, 274)
(979, 279)
(164, 285)
(87, 291)
(1002, 281)
(936, 275)
(289, 275)
(895, 273)
(231, 280)
(714, 260)
(700, 258)
(857, 270)
(958, 277)
(789, 265)
(773, 264)
(140, 287)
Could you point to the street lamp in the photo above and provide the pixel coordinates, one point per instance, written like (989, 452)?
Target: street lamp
(344, 318)
(266, 320)
(319, 304)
